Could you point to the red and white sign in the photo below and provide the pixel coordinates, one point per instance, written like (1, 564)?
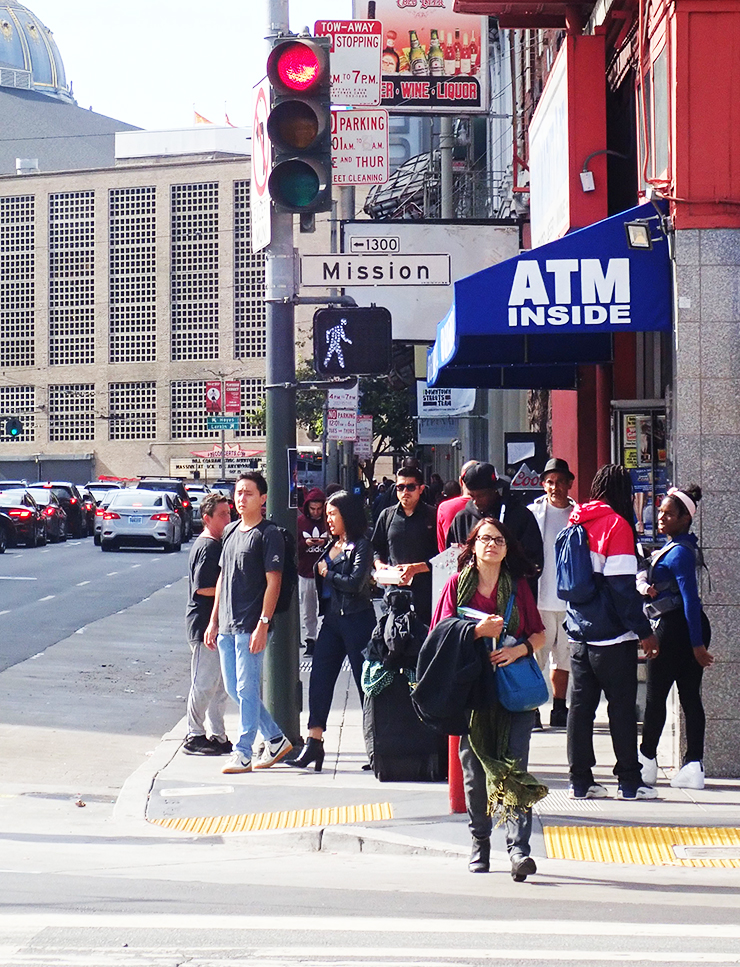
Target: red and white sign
(359, 147)
(525, 479)
(213, 396)
(341, 424)
(259, 198)
(233, 396)
(364, 441)
(354, 59)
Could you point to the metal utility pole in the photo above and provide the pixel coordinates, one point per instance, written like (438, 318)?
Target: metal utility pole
(282, 687)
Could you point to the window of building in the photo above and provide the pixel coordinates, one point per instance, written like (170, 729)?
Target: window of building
(653, 104)
(132, 411)
(132, 275)
(194, 271)
(253, 394)
(20, 401)
(249, 282)
(17, 277)
(188, 410)
(71, 278)
(72, 412)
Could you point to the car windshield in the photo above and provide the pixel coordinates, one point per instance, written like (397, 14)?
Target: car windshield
(138, 499)
(12, 496)
(172, 486)
(42, 496)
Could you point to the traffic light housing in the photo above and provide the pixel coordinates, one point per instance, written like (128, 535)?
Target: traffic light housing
(13, 427)
(352, 341)
(299, 124)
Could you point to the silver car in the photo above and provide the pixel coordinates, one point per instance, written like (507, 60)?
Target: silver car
(141, 517)
(102, 505)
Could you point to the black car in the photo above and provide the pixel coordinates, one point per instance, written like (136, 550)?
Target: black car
(88, 512)
(29, 523)
(54, 514)
(71, 499)
(6, 531)
(173, 485)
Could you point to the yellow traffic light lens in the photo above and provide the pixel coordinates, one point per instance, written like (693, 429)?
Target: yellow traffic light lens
(294, 125)
(298, 67)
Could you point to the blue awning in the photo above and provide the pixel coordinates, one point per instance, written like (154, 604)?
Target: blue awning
(530, 321)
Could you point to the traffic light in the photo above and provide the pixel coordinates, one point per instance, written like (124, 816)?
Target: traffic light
(299, 124)
(352, 342)
(13, 427)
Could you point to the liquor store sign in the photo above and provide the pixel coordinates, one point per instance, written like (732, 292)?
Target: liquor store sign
(433, 60)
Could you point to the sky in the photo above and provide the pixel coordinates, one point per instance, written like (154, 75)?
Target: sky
(152, 63)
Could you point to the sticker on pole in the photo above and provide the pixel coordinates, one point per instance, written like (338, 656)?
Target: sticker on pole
(259, 197)
(354, 57)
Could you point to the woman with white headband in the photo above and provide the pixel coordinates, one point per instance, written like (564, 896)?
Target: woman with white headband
(674, 608)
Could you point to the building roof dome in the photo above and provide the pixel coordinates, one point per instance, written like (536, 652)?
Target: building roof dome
(29, 57)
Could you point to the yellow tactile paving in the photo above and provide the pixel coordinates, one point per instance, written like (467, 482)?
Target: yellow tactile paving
(292, 819)
(651, 845)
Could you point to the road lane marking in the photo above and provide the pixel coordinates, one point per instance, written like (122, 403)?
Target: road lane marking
(8, 577)
(6, 611)
(111, 573)
(135, 565)
(48, 597)
(82, 584)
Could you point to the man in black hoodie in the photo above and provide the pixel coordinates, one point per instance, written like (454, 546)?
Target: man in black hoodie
(486, 501)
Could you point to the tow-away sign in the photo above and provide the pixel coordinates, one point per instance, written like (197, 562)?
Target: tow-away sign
(354, 58)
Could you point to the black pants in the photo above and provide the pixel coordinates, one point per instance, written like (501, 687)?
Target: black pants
(675, 663)
(611, 669)
(340, 635)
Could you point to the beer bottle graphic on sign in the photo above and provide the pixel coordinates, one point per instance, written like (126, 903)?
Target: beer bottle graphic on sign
(417, 57)
(465, 57)
(436, 56)
(474, 54)
(449, 56)
(457, 52)
(391, 62)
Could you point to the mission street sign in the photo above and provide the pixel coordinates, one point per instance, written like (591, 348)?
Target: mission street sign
(352, 270)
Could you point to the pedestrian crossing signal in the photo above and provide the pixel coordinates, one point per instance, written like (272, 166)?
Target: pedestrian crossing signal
(352, 342)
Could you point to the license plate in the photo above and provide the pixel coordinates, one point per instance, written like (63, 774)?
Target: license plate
(135, 520)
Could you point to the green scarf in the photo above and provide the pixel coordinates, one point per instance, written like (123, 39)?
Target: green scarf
(509, 787)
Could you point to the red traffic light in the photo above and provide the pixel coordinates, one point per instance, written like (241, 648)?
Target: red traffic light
(298, 66)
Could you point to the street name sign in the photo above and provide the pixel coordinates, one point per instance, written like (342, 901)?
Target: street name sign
(222, 422)
(386, 270)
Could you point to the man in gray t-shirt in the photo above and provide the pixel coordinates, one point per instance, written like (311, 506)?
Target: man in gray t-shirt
(252, 555)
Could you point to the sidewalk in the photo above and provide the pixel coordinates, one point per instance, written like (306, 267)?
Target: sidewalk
(344, 808)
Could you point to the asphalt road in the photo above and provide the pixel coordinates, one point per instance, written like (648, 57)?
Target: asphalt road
(46, 594)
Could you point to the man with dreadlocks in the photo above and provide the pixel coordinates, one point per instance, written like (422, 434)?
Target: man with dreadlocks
(603, 634)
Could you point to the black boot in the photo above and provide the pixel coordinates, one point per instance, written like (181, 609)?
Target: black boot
(480, 856)
(313, 751)
(522, 867)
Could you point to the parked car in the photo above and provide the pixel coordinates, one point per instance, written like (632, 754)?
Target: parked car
(55, 515)
(135, 518)
(103, 502)
(173, 485)
(71, 499)
(29, 524)
(6, 531)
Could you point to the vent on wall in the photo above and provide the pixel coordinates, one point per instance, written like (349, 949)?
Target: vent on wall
(15, 78)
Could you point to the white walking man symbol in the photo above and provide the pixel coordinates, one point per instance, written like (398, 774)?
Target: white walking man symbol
(335, 337)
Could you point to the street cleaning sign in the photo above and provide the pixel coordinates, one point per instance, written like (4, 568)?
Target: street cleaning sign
(359, 147)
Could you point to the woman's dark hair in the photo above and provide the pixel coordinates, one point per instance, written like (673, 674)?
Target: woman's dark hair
(352, 511)
(693, 491)
(451, 488)
(516, 560)
(613, 485)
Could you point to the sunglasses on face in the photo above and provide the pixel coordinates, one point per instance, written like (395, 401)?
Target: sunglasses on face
(487, 539)
(410, 487)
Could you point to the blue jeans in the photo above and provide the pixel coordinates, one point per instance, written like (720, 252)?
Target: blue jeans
(242, 674)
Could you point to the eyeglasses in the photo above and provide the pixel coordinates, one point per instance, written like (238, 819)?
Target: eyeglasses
(410, 487)
(488, 539)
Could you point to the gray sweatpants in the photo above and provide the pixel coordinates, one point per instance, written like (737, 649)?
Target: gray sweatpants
(207, 698)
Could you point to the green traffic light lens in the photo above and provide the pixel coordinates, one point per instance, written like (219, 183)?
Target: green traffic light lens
(294, 184)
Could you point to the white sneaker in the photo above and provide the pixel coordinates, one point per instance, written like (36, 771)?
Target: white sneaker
(273, 752)
(690, 776)
(238, 762)
(649, 769)
(594, 791)
(637, 792)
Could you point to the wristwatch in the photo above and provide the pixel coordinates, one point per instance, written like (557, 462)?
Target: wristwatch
(264, 619)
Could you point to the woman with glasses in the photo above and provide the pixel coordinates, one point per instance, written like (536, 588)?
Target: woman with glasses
(343, 585)
(491, 568)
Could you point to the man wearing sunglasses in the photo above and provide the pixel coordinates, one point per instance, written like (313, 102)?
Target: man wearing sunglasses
(405, 536)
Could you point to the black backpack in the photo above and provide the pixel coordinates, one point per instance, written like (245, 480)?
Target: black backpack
(290, 570)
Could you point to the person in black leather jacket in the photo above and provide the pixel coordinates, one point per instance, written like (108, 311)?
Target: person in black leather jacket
(343, 584)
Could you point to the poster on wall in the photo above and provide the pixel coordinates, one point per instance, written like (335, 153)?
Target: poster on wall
(643, 450)
(433, 60)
